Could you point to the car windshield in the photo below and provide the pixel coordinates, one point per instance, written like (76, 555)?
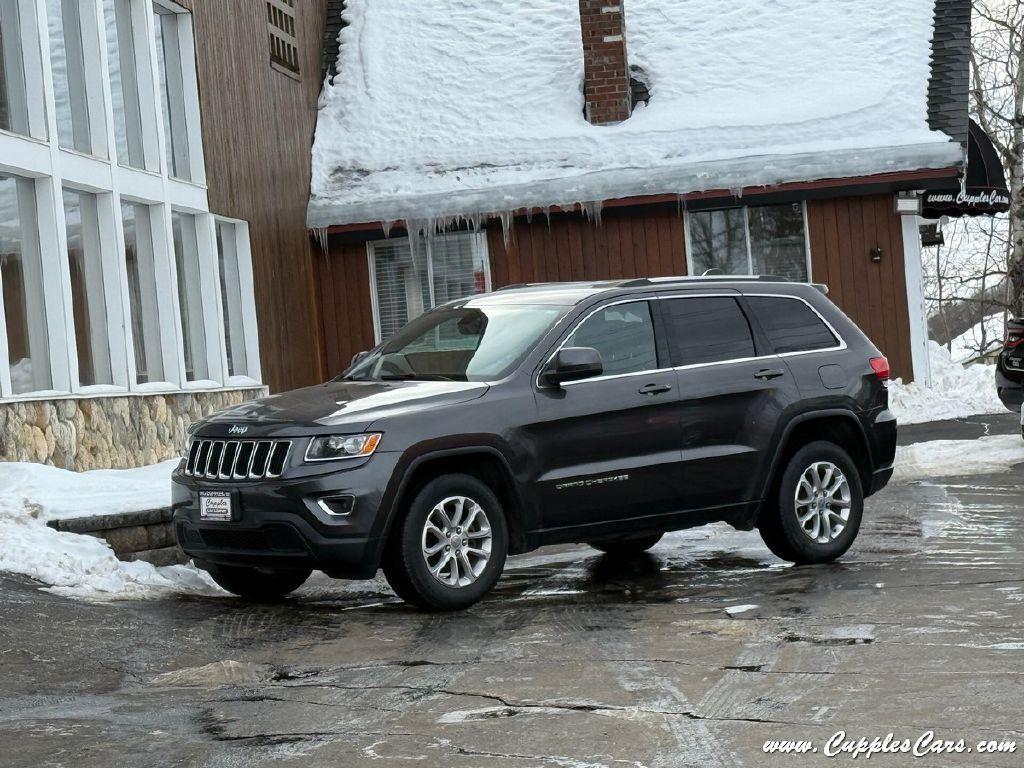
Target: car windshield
(465, 343)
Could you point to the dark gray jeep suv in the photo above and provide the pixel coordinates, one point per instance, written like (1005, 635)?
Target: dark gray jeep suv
(606, 413)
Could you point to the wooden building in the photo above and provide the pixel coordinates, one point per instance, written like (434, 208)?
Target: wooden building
(826, 216)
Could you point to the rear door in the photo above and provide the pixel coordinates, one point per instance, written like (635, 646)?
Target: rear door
(608, 446)
(732, 393)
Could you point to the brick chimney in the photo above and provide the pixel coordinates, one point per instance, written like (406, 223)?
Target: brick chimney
(605, 67)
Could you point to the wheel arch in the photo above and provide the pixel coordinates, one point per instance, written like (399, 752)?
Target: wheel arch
(838, 426)
(487, 464)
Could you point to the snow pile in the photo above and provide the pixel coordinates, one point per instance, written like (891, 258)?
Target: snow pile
(84, 566)
(454, 107)
(956, 391)
(945, 458)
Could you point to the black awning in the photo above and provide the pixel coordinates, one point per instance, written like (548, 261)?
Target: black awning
(985, 193)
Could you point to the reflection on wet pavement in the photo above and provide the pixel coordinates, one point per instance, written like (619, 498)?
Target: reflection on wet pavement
(694, 654)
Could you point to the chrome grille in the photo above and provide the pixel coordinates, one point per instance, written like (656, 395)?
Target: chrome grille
(237, 459)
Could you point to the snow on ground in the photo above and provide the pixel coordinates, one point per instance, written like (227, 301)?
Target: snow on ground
(77, 565)
(455, 107)
(956, 391)
(946, 458)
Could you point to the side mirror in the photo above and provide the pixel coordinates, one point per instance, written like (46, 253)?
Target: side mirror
(572, 364)
(357, 358)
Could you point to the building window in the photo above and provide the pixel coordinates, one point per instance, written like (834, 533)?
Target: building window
(21, 107)
(284, 45)
(167, 25)
(88, 303)
(72, 89)
(762, 240)
(190, 296)
(21, 278)
(143, 299)
(412, 275)
(235, 284)
(124, 66)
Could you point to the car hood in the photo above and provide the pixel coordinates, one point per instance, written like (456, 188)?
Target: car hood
(351, 405)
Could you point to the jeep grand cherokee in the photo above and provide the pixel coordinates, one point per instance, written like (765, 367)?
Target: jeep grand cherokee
(605, 413)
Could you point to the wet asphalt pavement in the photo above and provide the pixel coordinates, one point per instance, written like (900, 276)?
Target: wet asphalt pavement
(695, 655)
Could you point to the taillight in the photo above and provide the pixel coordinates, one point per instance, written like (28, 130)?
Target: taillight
(881, 367)
(1013, 340)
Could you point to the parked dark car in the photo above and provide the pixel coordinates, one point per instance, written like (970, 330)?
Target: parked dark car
(1010, 367)
(606, 413)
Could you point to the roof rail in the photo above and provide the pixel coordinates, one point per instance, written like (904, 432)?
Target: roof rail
(706, 278)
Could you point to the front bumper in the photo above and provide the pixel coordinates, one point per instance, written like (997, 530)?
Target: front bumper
(279, 524)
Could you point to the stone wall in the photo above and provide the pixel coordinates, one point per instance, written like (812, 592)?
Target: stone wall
(107, 432)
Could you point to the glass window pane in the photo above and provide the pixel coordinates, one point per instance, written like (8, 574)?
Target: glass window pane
(707, 330)
(14, 107)
(457, 266)
(778, 243)
(623, 335)
(70, 87)
(718, 241)
(172, 93)
(88, 302)
(231, 298)
(142, 292)
(21, 278)
(402, 289)
(790, 325)
(124, 82)
(190, 299)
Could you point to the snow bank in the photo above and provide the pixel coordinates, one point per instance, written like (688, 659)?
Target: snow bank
(448, 107)
(84, 566)
(983, 338)
(945, 458)
(956, 391)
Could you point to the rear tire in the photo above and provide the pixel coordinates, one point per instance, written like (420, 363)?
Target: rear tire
(818, 506)
(450, 547)
(257, 584)
(628, 548)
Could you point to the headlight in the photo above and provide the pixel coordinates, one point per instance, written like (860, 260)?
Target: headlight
(342, 447)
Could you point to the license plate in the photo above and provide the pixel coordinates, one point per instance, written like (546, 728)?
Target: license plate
(215, 505)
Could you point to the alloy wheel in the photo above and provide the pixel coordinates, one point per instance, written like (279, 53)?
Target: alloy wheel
(822, 502)
(456, 541)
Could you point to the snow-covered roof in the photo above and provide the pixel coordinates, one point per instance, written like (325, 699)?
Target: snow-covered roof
(456, 107)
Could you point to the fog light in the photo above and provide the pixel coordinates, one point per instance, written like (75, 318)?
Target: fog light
(337, 506)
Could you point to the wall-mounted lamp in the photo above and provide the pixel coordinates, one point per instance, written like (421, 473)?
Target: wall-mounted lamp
(908, 204)
(876, 254)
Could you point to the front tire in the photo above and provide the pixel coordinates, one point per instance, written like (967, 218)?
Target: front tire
(450, 547)
(818, 506)
(257, 584)
(627, 548)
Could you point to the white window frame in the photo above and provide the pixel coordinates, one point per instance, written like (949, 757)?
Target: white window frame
(248, 318)
(52, 168)
(480, 242)
(746, 225)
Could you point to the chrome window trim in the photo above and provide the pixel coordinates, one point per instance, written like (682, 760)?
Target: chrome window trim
(842, 345)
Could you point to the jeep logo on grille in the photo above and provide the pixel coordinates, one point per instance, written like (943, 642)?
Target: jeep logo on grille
(237, 429)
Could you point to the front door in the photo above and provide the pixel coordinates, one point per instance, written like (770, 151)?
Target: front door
(608, 446)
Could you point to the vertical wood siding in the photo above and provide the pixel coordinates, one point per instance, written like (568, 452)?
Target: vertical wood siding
(620, 246)
(874, 295)
(258, 133)
(343, 280)
(652, 244)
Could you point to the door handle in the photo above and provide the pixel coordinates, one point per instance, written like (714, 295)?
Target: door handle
(655, 389)
(768, 374)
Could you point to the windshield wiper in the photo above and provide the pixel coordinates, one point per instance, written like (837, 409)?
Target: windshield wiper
(415, 377)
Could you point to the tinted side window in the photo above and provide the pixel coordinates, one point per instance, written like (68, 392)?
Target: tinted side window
(790, 325)
(707, 330)
(624, 336)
